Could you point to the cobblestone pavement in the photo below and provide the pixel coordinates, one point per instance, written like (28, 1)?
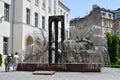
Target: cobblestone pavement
(105, 74)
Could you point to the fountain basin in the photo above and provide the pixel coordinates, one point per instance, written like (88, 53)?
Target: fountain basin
(82, 67)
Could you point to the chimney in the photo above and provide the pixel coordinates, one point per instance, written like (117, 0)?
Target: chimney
(95, 6)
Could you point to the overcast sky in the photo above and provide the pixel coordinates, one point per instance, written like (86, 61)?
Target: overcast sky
(80, 8)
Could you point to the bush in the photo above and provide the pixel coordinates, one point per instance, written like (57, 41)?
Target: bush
(118, 61)
(0, 58)
(113, 66)
(113, 47)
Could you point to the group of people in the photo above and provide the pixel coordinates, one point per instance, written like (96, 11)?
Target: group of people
(9, 60)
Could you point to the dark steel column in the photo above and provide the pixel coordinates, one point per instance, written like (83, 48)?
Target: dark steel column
(50, 42)
(56, 41)
(62, 30)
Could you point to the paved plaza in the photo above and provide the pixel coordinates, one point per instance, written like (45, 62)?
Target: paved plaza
(105, 74)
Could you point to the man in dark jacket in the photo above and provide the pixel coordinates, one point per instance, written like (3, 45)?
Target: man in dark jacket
(7, 63)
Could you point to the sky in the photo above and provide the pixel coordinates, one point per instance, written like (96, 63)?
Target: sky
(80, 8)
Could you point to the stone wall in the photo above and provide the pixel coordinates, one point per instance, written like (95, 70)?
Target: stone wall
(93, 18)
(60, 67)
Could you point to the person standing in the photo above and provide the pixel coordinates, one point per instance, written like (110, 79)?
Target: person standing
(7, 63)
(15, 61)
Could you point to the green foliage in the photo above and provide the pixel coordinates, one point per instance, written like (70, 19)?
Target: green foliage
(0, 58)
(113, 44)
(115, 47)
(119, 49)
(113, 66)
(77, 38)
(118, 61)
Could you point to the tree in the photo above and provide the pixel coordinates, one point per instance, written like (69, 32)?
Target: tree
(113, 47)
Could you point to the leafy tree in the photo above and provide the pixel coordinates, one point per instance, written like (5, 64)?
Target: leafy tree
(119, 49)
(109, 42)
(113, 47)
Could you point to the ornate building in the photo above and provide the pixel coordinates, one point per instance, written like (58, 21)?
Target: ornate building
(107, 19)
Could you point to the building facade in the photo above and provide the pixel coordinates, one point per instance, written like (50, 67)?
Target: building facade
(5, 20)
(32, 15)
(18, 18)
(101, 17)
(116, 23)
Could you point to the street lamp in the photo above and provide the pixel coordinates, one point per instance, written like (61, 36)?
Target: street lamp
(1, 18)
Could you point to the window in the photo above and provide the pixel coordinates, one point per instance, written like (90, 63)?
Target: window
(109, 15)
(36, 2)
(43, 22)
(5, 45)
(60, 12)
(49, 6)
(105, 23)
(43, 2)
(102, 23)
(118, 16)
(54, 6)
(104, 14)
(64, 13)
(116, 24)
(67, 34)
(64, 16)
(67, 18)
(6, 12)
(36, 19)
(28, 16)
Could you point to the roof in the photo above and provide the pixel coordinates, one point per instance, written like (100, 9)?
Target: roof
(64, 6)
(106, 10)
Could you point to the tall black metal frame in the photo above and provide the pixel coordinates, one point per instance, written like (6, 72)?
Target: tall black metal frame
(56, 20)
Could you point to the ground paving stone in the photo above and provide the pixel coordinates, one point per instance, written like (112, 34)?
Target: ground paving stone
(105, 74)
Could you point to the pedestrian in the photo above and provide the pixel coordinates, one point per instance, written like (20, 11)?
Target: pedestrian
(15, 61)
(7, 63)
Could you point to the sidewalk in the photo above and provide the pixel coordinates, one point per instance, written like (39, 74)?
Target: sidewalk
(105, 74)
(3, 68)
